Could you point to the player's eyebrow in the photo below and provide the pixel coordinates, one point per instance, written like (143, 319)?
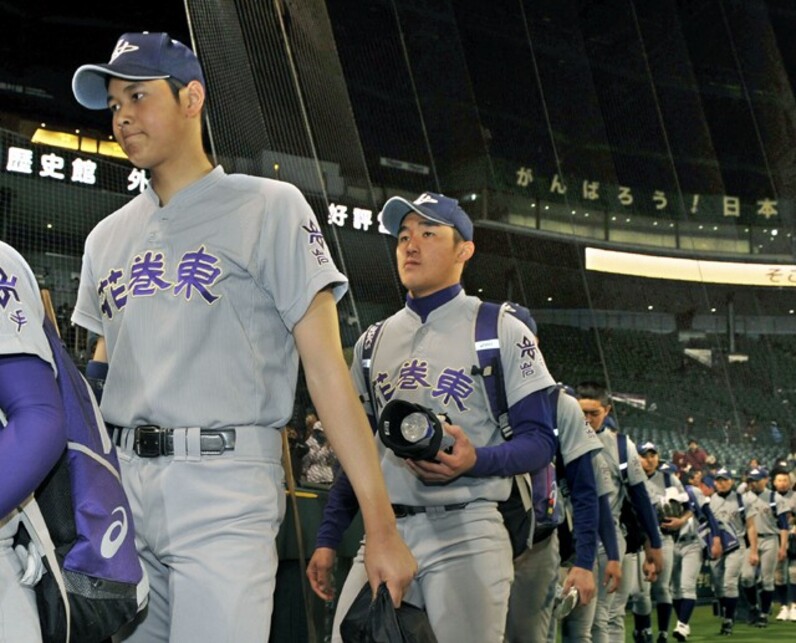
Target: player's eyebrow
(424, 222)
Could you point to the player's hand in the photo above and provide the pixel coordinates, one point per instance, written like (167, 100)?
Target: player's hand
(449, 465)
(388, 560)
(716, 548)
(672, 525)
(754, 558)
(654, 556)
(650, 571)
(782, 554)
(613, 576)
(319, 572)
(582, 580)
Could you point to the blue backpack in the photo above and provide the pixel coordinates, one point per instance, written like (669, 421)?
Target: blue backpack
(80, 523)
(533, 506)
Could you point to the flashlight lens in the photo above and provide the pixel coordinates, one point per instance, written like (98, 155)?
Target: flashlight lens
(415, 427)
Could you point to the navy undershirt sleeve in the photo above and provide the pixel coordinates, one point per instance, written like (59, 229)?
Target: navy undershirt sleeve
(532, 446)
(580, 476)
(608, 528)
(640, 500)
(35, 436)
(340, 509)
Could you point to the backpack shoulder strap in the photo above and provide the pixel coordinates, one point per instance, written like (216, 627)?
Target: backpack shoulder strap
(487, 349)
(667, 479)
(692, 500)
(368, 348)
(741, 505)
(621, 445)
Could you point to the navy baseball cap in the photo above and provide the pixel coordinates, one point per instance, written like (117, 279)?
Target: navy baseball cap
(646, 448)
(724, 472)
(758, 473)
(137, 56)
(432, 206)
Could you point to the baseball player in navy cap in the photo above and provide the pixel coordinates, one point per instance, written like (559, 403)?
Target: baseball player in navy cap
(771, 524)
(670, 500)
(785, 576)
(447, 507)
(609, 618)
(206, 289)
(733, 509)
(32, 434)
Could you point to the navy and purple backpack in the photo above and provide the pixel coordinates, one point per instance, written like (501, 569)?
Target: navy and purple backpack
(80, 523)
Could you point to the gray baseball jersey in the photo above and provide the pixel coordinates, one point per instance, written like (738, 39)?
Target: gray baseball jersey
(691, 529)
(197, 300)
(576, 437)
(657, 491)
(430, 363)
(611, 473)
(727, 510)
(765, 520)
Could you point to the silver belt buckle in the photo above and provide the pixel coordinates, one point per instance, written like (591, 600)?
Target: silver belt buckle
(217, 441)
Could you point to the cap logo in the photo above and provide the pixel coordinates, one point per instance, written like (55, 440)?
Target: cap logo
(122, 47)
(425, 198)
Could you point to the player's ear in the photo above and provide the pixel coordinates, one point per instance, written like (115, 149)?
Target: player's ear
(195, 97)
(465, 251)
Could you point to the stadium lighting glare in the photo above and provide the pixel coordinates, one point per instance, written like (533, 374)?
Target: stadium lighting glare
(696, 270)
(550, 299)
(713, 310)
(774, 232)
(650, 307)
(791, 311)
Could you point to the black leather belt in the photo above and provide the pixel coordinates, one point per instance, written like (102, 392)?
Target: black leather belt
(150, 441)
(402, 511)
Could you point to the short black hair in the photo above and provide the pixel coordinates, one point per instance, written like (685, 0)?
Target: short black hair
(593, 391)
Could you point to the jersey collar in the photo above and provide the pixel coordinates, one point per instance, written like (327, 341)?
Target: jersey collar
(424, 306)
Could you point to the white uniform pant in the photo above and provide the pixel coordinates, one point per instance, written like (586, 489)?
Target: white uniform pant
(725, 573)
(206, 531)
(19, 618)
(645, 592)
(576, 626)
(533, 592)
(767, 548)
(602, 631)
(785, 572)
(464, 573)
(686, 568)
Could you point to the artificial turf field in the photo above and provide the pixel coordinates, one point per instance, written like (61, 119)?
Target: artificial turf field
(705, 627)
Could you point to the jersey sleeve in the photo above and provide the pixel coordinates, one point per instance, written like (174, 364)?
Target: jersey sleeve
(749, 501)
(524, 367)
(294, 258)
(602, 472)
(21, 309)
(575, 435)
(87, 312)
